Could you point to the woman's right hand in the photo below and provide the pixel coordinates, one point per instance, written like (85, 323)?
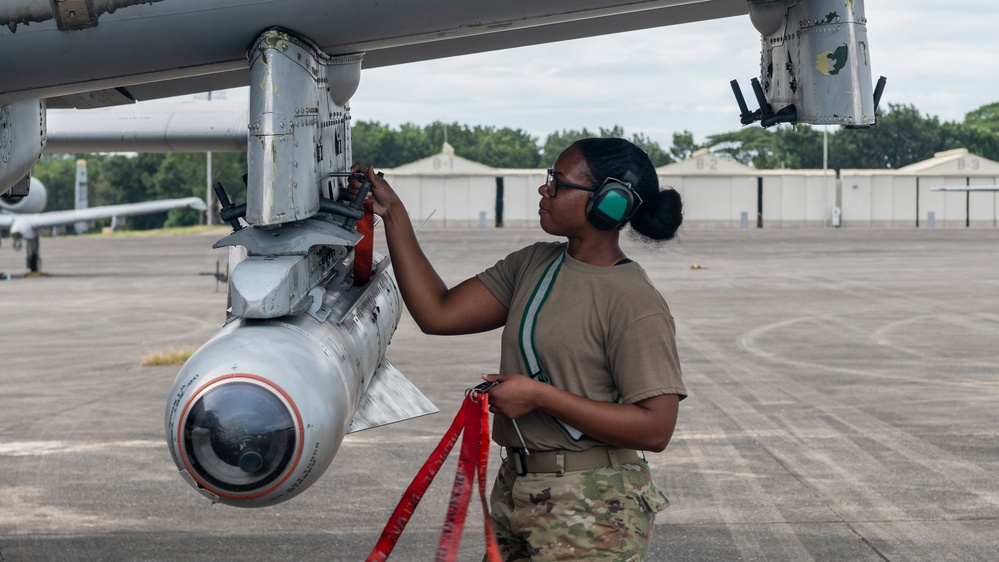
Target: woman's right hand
(467, 308)
(381, 194)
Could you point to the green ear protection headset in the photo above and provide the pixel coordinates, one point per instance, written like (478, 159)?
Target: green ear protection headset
(613, 203)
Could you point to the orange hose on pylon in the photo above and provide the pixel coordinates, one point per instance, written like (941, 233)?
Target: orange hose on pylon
(364, 249)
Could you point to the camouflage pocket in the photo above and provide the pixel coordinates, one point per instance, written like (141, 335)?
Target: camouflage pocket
(651, 498)
(654, 499)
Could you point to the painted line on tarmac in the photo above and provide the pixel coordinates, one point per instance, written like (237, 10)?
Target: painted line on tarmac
(42, 448)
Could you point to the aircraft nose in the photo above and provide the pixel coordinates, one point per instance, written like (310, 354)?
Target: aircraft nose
(239, 437)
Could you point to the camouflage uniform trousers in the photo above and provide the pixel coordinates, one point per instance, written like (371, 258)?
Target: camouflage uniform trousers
(603, 514)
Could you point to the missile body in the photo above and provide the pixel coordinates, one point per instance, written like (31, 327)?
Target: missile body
(257, 414)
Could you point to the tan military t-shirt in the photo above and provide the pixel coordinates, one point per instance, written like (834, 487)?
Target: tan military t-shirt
(604, 333)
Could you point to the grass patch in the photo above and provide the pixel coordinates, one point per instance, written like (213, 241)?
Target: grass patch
(174, 357)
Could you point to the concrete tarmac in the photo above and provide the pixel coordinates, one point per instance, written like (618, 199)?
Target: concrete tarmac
(844, 390)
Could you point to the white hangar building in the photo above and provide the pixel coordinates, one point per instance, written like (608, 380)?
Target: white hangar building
(906, 197)
(457, 192)
(718, 192)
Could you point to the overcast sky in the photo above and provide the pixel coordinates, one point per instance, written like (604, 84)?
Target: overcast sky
(940, 56)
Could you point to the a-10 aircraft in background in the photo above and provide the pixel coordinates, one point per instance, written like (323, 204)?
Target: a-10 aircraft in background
(24, 218)
(258, 413)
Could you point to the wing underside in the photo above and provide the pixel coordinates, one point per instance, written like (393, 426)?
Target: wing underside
(966, 188)
(182, 49)
(61, 218)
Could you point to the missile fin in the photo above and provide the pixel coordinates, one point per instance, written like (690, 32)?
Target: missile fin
(390, 398)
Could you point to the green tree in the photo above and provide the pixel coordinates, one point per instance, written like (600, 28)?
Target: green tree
(656, 153)
(556, 142)
(798, 147)
(499, 148)
(180, 174)
(57, 172)
(228, 168)
(413, 144)
(183, 175)
(976, 138)
(386, 147)
(986, 117)
(901, 137)
(122, 178)
(979, 132)
(374, 143)
(507, 148)
(753, 146)
(367, 139)
(683, 145)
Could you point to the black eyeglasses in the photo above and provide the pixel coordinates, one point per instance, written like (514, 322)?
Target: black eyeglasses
(552, 184)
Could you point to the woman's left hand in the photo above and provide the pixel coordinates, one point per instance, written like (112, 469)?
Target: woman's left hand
(646, 425)
(514, 396)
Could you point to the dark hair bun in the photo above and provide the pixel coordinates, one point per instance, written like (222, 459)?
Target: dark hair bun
(659, 216)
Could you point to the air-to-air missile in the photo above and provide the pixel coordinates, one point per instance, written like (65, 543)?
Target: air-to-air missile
(257, 414)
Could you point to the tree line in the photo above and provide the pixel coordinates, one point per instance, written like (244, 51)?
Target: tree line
(901, 137)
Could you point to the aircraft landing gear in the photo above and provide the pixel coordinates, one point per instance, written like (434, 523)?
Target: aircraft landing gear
(33, 257)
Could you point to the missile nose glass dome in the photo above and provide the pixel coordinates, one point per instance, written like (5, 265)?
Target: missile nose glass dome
(239, 437)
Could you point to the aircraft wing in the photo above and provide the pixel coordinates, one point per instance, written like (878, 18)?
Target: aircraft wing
(966, 188)
(77, 54)
(155, 126)
(60, 218)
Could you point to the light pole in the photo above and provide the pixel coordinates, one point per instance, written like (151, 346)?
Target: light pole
(825, 177)
(210, 211)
